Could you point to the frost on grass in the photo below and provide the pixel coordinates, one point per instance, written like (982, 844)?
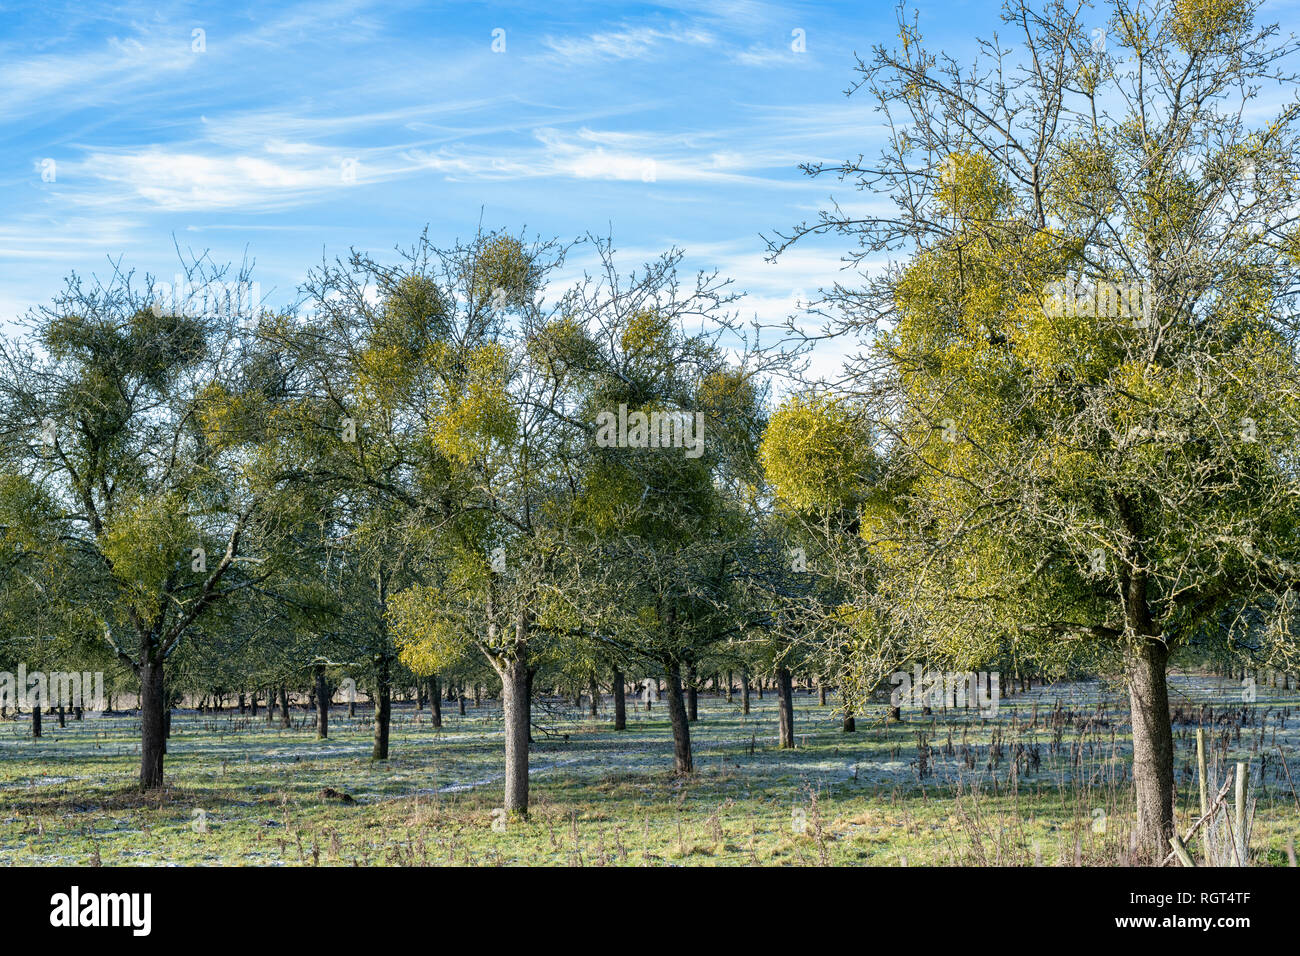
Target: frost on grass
(69, 798)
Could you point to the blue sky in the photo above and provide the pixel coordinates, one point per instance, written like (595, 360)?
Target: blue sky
(284, 132)
(302, 129)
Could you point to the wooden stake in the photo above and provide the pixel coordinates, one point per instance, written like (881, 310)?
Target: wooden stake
(1239, 813)
(1205, 792)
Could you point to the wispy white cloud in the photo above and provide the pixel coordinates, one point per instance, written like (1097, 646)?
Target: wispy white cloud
(664, 131)
(57, 83)
(181, 180)
(628, 43)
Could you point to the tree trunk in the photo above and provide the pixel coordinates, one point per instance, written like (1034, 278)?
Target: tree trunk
(435, 701)
(383, 697)
(153, 732)
(692, 696)
(729, 687)
(620, 701)
(594, 691)
(252, 703)
(1153, 748)
(37, 703)
(682, 761)
(744, 693)
(850, 725)
(529, 685)
(286, 719)
(785, 708)
(821, 693)
(322, 705)
(518, 716)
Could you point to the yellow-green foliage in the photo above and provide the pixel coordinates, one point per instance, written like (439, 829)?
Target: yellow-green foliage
(646, 334)
(428, 639)
(504, 270)
(476, 417)
(1083, 180)
(147, 541)
(969, 188)
(229, 419)
(562, 343)
(1201, 26)
(24, 512)
(816, 454)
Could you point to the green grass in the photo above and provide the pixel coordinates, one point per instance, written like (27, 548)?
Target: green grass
(244, 792)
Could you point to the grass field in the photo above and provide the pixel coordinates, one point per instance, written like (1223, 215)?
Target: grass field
(1047, 780)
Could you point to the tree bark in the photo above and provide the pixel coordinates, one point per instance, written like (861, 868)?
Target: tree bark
(785, 707)
(322, 705)
(692, 696)
(682, 761)
(36, 714)
(744, 693)
(529, 685)
(1153, 747)
(518, 715)
(435, 701)
(383, 697)
(153, 732)
(620, 701)
(286, 718)
(594, 691)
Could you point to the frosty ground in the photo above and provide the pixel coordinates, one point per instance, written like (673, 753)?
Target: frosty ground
(1044, 781)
